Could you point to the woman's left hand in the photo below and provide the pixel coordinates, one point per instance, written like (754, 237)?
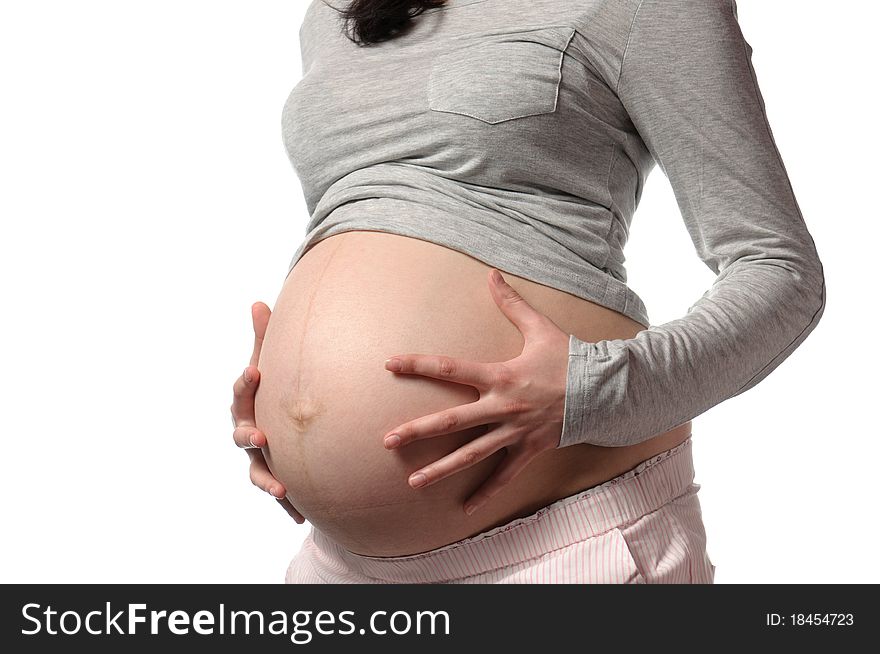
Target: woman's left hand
(523, 397)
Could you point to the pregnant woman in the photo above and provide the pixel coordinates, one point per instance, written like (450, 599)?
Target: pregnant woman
(436, 421)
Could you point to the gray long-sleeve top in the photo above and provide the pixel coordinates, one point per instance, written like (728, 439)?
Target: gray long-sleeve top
(521, 132)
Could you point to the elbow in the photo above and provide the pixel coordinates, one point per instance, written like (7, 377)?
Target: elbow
(801, 305)
(815, 282)
(798, 296)
(803, 297)
(797, 307)
(820, 302)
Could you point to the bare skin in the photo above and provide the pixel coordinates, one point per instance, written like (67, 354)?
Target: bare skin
(327, 401)
(245, 434)
(526, 397)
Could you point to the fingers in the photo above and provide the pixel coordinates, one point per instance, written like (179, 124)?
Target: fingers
(509, 467)
(261, 476)
(514, 306)
(292, 512)
(260, 314)
(245, 388)
(243, 392)
(458, 418)
(462, 458)
(246, 434)
(479, 375)
(248, 437)
(263, 479)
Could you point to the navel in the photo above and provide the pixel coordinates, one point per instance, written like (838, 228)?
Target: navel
(301, 412)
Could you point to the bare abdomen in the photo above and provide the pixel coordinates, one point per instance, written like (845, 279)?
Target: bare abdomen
(325, 399)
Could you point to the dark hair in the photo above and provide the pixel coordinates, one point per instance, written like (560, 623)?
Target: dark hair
(372, 21)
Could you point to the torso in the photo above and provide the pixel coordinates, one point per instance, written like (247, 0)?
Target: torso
(325, 399)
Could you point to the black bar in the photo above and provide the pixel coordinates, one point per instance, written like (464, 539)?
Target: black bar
(523, 617)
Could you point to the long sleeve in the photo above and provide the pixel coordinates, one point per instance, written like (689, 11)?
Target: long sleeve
(687, 82)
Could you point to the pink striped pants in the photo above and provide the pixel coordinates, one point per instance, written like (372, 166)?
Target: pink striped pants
(642, 527)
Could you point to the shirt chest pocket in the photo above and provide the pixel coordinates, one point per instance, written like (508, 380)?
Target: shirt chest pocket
(511, 75)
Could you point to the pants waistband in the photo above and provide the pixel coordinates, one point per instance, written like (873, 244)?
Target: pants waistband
(613, 504)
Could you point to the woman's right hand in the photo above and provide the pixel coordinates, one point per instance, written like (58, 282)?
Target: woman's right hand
(246, 434)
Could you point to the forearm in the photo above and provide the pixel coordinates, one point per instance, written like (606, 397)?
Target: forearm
(624, 391)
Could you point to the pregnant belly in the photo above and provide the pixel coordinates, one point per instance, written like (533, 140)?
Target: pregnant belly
(325, 400)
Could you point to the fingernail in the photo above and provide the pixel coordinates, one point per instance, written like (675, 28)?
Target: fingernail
(392, 364)
(277, 493)
(496, 277)
(418, 479)
(392, 441)
(470, 508)
(251, 439)
(247, 375)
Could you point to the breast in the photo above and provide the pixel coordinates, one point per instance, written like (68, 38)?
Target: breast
(325, 400)
(480, 108)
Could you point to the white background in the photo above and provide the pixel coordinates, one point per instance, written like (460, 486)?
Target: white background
(146, 202)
